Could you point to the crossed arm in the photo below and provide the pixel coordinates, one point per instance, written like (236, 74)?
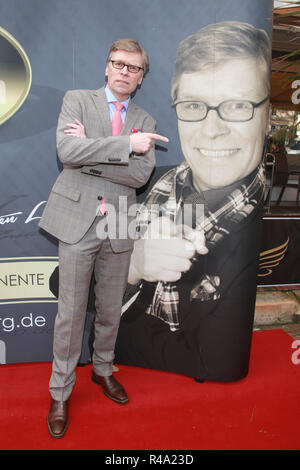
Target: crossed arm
(132, 172)
(141, 142)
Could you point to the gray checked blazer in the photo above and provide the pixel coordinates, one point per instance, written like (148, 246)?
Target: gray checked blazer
(96, 166)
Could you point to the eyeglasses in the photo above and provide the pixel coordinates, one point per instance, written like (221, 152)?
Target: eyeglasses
(230, 110)
(120, 65)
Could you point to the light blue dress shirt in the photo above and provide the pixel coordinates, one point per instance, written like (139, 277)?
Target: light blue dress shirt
(110, 98)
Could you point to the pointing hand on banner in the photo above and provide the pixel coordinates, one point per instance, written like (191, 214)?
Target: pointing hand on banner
(163, 253)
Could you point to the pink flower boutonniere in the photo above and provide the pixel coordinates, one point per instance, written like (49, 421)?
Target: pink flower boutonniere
(134, 130)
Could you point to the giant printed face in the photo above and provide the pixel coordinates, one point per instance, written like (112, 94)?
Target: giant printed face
(221, 151)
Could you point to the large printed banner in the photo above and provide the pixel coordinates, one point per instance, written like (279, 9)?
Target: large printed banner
(50, 47)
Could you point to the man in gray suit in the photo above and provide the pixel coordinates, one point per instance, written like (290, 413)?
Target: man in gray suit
(96, 188)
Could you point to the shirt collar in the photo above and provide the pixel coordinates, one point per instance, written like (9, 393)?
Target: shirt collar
(111, 97)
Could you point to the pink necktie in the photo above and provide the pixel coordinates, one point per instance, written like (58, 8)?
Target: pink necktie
(116, 122)
(102, 207)
(116, 128)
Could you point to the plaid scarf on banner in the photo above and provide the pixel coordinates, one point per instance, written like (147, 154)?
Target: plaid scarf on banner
(167, 197)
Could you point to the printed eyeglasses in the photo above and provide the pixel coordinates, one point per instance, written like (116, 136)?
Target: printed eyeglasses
(230, 110)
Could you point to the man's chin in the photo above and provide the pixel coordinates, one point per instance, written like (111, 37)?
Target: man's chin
(217, 182)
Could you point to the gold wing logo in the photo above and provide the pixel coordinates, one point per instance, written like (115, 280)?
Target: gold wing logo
(271, 258)
(15, 75)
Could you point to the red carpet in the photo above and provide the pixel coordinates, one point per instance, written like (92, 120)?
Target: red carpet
(166, 411)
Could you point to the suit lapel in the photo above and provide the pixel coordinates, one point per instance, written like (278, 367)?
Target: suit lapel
(100, 100)
(131, 116)
(132, 113)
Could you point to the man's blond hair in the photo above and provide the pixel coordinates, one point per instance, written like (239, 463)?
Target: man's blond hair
(130, 45)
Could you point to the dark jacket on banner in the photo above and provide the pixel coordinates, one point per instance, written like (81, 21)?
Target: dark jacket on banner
(213, 338)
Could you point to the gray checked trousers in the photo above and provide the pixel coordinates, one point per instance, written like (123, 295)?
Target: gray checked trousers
(76, 265)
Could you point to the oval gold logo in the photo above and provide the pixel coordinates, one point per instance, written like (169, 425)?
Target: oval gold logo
(15, 75)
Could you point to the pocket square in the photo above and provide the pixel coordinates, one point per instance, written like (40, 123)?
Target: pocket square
(134, 130)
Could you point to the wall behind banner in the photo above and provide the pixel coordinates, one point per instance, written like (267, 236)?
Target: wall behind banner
(66, 43)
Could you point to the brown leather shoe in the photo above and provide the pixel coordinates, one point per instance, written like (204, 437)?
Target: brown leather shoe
(111, 388)
(58, 419)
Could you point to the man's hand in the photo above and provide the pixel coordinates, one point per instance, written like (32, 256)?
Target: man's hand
(163, 255)
(76, 130)
(141, 142)
(197, 237)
